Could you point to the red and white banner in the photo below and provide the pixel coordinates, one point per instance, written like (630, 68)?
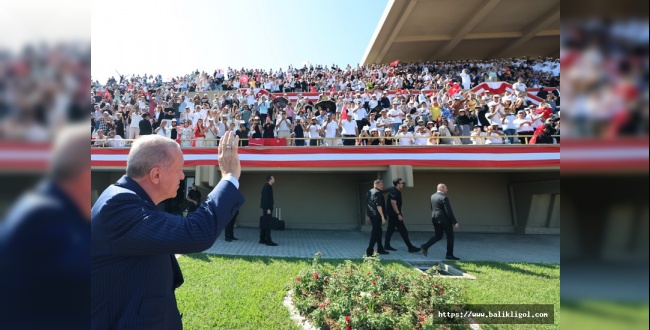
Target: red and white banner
(500, 87)
(482, 157)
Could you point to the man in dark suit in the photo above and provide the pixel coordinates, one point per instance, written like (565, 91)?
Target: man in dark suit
(44, 256)
(133, 268)
(396, 218)
(267, 207)
(443, 220)
(145, 125)
(375, 213)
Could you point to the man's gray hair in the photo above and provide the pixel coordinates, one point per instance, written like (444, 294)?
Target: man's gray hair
(70, 153)
(148, 152)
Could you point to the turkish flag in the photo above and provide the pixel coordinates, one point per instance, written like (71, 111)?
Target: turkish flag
(344, 113)
(243, 79)
(545, 112)
(455, 88)
(394, 63)
(538, 131)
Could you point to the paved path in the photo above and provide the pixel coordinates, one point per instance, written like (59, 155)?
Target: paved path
(352, 245)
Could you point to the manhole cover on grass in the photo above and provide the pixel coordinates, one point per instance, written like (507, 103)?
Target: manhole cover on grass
(442, 269)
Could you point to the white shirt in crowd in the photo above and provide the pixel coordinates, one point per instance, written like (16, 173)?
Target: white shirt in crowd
(405, 139)
(525, 127)
(115, 142)
(421, 138)
(495, 118)
(348, 127)
(494, 139)
(314, 131)
(509, 122)
(360, 113)
(282, 125)
(330, 129)
(135, 119)
(519, 86)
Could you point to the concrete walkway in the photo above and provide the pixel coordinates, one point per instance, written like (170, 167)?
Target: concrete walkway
(352, 245)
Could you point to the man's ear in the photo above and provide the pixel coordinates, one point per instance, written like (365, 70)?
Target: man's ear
(155, 175)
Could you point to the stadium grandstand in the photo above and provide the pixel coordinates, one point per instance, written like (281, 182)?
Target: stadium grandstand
(485, 122)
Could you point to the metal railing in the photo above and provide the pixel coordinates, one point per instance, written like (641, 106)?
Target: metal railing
(337, 141)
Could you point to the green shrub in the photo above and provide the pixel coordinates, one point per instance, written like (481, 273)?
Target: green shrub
(370, 295)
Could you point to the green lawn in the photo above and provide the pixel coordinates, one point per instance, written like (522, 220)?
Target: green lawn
(246, 292)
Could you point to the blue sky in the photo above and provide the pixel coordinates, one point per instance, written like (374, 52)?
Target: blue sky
(174, 38)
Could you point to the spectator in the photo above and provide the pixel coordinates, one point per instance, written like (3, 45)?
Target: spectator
(524, 127)
(349, 130)
(404, 137)
(315, 131)
(163, 130)
(114, 140)
(187, 133)
(268, 128)
(464, 124)
(243, 133)
(494, 135)
(509, 126)
(284, 126)
(145, 125)
(199, 133)
(388, 139)
(100, 140)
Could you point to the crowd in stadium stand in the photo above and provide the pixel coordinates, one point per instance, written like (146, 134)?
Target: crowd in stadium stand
(433, 105)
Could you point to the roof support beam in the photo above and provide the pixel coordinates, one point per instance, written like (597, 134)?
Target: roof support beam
(531, 31)
(473, 36)
(403, 17)
(467, 27)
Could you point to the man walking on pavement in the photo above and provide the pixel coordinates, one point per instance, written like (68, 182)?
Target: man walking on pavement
(396, 218)
(443, 220)
(375, 213)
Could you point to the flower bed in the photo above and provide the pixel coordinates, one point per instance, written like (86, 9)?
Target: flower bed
(370, 295)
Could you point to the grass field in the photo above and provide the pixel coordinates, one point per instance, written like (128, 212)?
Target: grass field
(246, 292)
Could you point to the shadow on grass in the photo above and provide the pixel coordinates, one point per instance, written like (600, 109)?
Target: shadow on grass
(205, 257)
(199, 256)
(507, 268)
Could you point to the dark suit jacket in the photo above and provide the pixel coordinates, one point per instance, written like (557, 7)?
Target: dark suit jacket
(441, 209)
(134, 271)
(267, 197)
(45, 262)
(145, 127)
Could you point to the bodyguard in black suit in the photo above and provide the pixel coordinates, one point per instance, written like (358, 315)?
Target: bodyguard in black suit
(267, 208)
(396, 218)
(443, 220)
(375, 210)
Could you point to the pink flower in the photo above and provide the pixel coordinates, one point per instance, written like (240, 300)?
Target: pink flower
(374, 283)
(321, 306)
(348, 327)
(327, 302)
(441, 292)
(347, 318)
(315, 276)
(298, 279)
(401, 287)
(422, 319)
